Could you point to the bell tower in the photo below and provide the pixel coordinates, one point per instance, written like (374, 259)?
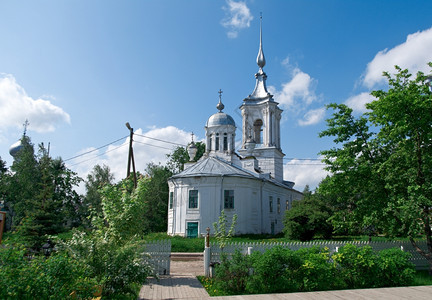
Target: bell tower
(261, 117)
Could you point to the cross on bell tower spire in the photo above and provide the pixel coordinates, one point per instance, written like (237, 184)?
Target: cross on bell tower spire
(220, 105)
(26, 124)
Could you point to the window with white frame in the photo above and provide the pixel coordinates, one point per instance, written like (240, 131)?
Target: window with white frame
(229, 199)
(193, 199)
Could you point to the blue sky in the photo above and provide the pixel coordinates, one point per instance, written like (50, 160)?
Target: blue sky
(79, 70)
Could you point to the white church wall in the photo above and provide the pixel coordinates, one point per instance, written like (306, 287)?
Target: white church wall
(251, 204)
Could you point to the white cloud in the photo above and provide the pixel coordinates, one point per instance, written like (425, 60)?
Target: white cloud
(358, 102)
(313, 116)
(413, 54)
(16, 106)
(304, 172)
(238, 16)
(299, 91)
(145, 150)
(297, 95)
(286, 61)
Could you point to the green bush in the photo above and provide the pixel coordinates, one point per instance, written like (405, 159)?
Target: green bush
(274, 271)
(361, 267)
(395, 268)
(317, 272)
(117, 266)
(357, 265)
(232, 274)
(42, 278)
(280, 270)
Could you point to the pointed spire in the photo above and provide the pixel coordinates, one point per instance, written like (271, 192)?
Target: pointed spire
(260, 58)
(220, 105)
(260, 91)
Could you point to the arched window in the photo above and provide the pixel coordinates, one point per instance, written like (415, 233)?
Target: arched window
(257, 128)
(217, 142)
(225, 142)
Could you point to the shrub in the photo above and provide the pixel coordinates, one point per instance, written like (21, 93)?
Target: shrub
(395, 269)
(117, 266)
(42, 278)
(232, 274)
(317, 272)
(312, 269)
(357, 266)
(274, 271)
(361, 267)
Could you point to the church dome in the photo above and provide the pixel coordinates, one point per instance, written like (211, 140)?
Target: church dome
(15, 148)
(219, 119)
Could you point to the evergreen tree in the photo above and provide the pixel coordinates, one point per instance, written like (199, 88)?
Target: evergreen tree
(24, 184)
(41, 195)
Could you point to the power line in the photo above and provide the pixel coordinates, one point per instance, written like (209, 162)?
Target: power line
(152, 145)
(177, 144)
(122, 145)
(159, 140)
(85, 153)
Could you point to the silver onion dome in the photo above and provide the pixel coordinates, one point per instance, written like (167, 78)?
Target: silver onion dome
(220, 118)
(15, 148)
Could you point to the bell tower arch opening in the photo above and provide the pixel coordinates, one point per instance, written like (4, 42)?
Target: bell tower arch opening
(257, 130)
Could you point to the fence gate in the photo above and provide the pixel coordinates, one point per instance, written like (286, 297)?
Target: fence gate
(159, 255)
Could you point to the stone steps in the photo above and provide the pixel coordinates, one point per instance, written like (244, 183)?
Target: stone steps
(187, 256)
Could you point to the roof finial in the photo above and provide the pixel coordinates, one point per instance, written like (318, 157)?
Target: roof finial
(220, 106)
(260, 58)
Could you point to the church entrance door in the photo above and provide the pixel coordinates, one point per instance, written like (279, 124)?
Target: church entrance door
(192, 229)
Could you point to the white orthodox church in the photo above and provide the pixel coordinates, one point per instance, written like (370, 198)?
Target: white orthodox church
(248, 183)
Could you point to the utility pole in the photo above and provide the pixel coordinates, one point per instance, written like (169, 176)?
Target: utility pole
(131, 156)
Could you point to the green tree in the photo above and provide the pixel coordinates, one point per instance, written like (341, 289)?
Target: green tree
(54, 204)
(180, 156)
(122, 210)
(309, 217)
(155, 198)
(99, 177)
(381, 174)
(23, 185)
(40, 194)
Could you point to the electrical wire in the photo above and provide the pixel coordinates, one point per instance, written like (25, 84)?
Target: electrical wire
(83, 161)
(85, 153)
(177, 144)
(152, 145)
(159, 140)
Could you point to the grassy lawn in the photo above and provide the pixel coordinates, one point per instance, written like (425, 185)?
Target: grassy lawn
(420, 278)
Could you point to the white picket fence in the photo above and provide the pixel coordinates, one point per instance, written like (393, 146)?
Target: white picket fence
(419, 261)
(158, 254)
